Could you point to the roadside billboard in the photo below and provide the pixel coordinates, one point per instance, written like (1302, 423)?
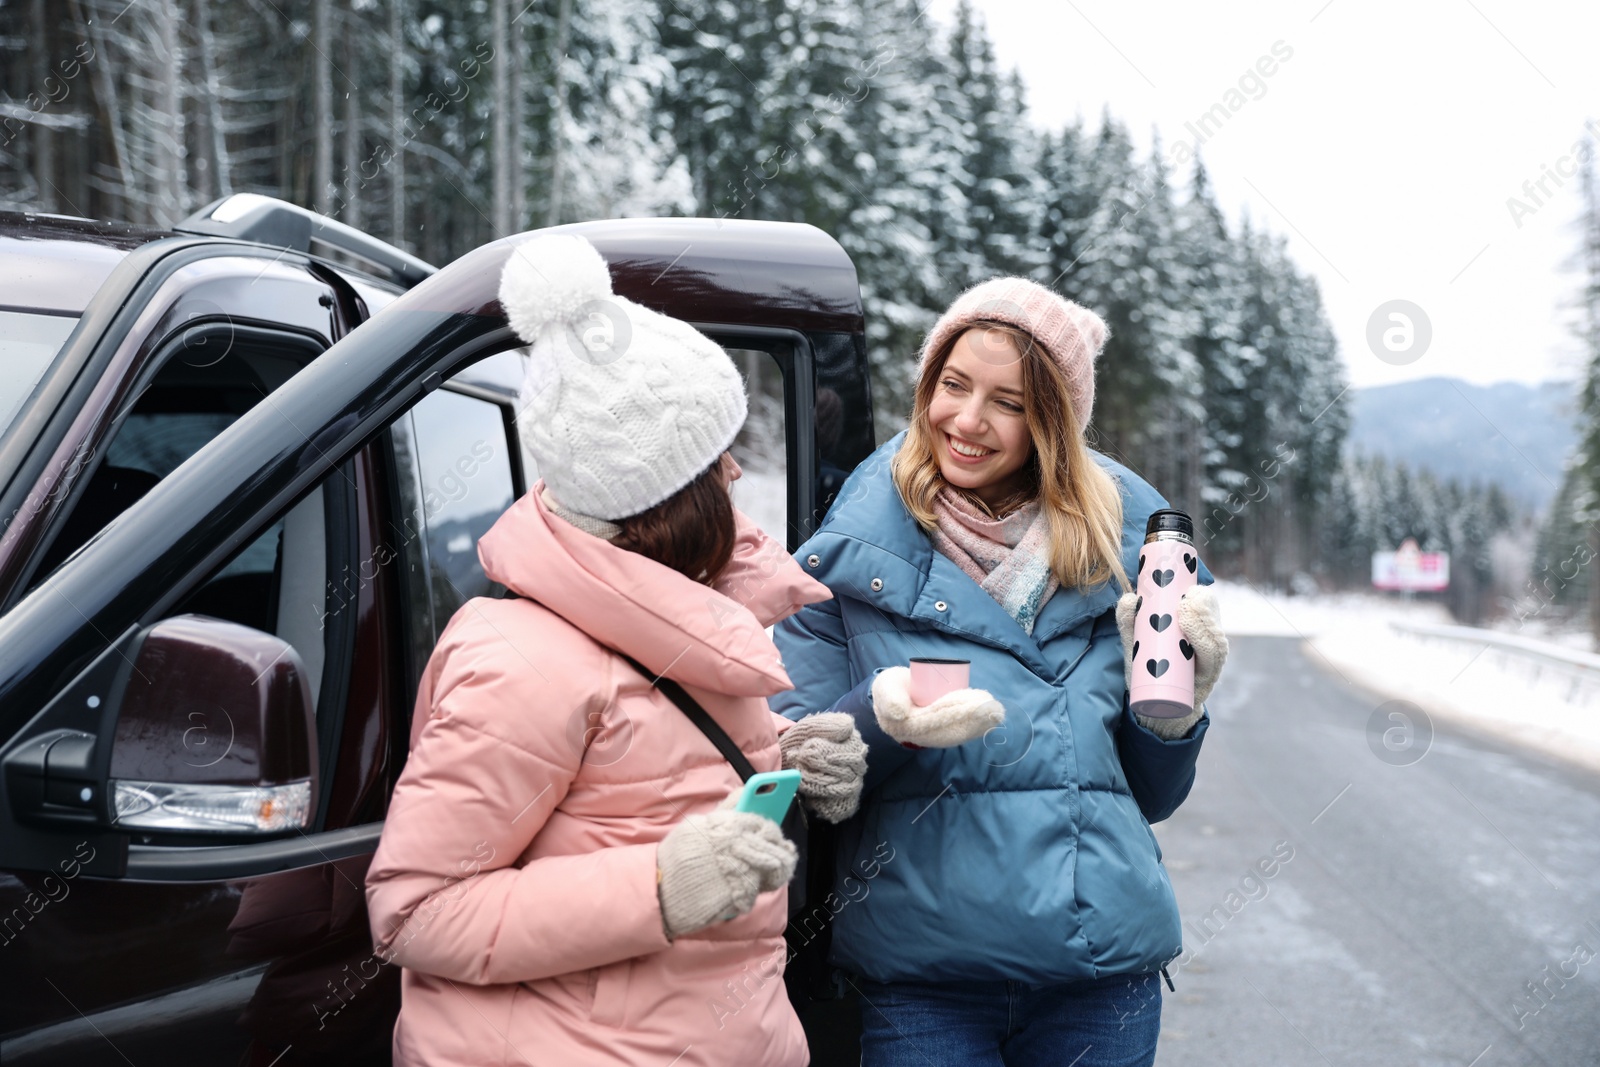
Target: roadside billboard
(1409, 570)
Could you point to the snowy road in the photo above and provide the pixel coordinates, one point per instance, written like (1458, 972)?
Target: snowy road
(1345, 902)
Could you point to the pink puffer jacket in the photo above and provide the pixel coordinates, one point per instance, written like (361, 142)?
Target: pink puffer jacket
(515, 881)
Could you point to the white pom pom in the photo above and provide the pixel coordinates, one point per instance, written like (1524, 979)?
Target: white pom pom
(551, 279)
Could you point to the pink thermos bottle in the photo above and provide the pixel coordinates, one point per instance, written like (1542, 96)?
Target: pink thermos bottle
(1163, 662)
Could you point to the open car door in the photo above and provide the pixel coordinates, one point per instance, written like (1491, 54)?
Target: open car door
(204, 710)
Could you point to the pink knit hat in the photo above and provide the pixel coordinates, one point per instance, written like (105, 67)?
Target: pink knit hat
(1070, 334)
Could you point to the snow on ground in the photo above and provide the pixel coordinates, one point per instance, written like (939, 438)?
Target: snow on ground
(1475, 685)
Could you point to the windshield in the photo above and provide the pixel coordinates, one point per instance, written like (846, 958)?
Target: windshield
(29, 342)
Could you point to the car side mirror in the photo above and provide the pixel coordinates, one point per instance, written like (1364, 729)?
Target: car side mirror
(212, 732)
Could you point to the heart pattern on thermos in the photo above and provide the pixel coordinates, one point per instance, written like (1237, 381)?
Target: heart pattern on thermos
(1139, 603)
(1162, 578)
(1141, 564)
(1188, 561)
(1156, 667)
(1136, 650)
(1160, 622)
(1186, 648)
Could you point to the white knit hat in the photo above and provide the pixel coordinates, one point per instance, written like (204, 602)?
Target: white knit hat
(622, 406)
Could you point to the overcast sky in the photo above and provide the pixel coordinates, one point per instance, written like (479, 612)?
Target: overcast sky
(1385, 148)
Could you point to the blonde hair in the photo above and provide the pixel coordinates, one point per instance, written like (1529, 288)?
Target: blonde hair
(1079, 497)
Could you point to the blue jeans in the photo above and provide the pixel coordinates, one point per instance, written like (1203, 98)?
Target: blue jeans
(1105, 1022)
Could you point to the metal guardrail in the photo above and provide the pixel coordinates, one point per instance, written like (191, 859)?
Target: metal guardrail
(1582, 668)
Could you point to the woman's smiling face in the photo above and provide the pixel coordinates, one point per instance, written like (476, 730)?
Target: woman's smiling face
(979, 418)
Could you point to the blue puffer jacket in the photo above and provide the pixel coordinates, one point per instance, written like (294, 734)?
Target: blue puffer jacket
(1025, 855)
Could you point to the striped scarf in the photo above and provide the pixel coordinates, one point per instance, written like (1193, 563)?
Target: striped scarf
(1008, 557)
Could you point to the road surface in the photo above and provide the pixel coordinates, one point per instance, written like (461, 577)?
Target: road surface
(1440, 899)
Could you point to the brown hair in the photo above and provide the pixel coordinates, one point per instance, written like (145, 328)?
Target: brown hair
(692, 531)
(1080, 499)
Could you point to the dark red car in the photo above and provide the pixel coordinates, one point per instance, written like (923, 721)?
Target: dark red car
(243, 469)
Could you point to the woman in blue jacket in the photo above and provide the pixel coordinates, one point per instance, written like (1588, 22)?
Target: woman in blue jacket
(1001, 898)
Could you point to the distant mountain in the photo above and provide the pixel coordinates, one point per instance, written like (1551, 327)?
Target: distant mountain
(1517, 436)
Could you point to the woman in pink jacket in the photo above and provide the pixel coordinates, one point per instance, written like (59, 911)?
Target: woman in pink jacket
(560, 876)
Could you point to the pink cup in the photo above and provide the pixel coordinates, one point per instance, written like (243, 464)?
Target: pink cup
(933, 678)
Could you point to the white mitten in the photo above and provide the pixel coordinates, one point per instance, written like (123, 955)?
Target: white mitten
(1201, 622)
(954, 719)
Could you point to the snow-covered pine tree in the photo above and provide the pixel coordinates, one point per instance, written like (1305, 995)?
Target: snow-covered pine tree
(620, 157)
(1216, 298)
(998, 180)
(213, 163)
(1289, 363)
(1131, 274)
(1586, 502)
(1174, 426)
(321, 42)
(906, 142)
(145, 48)
(393, 152)
(43, 139)
(444, 136)
(352, 128)
(1069, 197)
(1341, 545)
(500, 112)
(1312, 388)
(879, 183)
(720, 51)
(947, 155)
(1559, 535)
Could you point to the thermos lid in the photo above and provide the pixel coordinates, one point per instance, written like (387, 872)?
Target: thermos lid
(1170, 519)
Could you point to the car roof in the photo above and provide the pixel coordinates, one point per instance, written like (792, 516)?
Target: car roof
(57, 262)
(705, 269)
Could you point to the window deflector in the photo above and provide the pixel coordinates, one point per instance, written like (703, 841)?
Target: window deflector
(29, 345)
(272, 355)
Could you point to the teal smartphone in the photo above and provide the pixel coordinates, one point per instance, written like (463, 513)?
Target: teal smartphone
(769, 793)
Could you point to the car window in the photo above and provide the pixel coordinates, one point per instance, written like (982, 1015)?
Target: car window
(28, 344)
(761, 445)
(279, 583)
(501, 372)
(157, 442)
(457, 478)
(195, 395)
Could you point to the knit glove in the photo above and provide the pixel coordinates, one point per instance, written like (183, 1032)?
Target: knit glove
(1201, 622)
(828, 752)
(713, 866)
(954, 719)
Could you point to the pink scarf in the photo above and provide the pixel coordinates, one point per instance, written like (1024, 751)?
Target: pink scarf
(1009, 557)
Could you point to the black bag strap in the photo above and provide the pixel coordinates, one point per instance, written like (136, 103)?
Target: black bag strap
(699, 716)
